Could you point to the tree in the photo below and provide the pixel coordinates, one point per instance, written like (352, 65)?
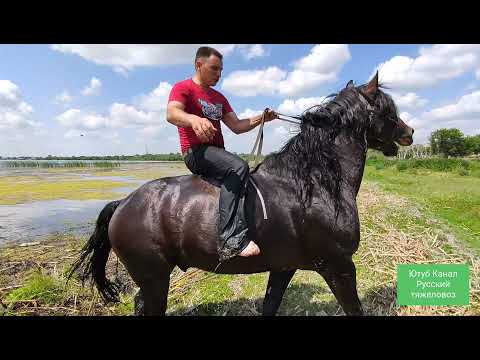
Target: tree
(472, 144)
(448, 142)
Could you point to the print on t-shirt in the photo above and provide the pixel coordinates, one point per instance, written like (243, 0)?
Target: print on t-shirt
(211, 111)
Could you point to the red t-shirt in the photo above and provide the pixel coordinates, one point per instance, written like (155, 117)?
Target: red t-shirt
(206, 103)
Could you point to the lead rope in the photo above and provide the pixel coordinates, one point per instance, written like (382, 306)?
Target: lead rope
(259, 140)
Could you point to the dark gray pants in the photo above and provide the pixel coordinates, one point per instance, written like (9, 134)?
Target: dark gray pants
(232, 172)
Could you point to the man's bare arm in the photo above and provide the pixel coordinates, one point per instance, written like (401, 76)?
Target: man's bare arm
(176, 115)
(240, 126)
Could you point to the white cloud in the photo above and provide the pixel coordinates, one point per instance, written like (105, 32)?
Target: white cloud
(255, 82)
(434, 64)
(467, 108)
(122, 115)
(248, 113)
(15, 113)
(463, 115)
(324, 58)
(119, 116)
(409, 100)
(147, 116)
(477, 74)
(63, 98)
(299, 81)
(296, 107)
(252, 51)
(151, 130)
(125, 57)
(10, 96)
(320, 66)
(155, 100)
(93, 88)
(80, 120)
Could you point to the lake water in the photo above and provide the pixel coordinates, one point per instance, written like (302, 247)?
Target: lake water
(33, 221)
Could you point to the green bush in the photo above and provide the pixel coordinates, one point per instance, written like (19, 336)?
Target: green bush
(465, 167)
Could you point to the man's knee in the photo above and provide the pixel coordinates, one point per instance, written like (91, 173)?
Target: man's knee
(241, 167)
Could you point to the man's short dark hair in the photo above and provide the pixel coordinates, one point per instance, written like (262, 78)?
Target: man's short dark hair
(206, 51)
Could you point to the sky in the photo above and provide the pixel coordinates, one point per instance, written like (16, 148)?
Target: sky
(78, 99)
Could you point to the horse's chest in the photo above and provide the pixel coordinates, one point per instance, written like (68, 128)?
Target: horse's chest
(326, 231)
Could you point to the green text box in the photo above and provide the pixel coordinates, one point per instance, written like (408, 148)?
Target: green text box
(433, 284)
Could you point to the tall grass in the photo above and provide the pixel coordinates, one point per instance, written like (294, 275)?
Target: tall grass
(59, 164)
(461, 166)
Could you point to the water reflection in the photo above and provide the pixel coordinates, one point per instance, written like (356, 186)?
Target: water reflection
(29, 222)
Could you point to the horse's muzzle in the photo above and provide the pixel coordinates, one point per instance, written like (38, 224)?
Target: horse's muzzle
(405, 141)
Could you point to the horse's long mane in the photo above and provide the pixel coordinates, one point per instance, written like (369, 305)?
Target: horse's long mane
(310, 156)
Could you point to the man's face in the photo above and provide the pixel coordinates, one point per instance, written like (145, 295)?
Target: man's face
(210, 69)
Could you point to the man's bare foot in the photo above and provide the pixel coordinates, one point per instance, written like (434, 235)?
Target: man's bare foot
(251, 250)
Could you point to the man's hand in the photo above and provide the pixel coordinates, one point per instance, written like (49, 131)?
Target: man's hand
(270, 115)
(204, 129)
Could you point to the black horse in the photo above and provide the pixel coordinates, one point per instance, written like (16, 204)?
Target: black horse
(309, 187)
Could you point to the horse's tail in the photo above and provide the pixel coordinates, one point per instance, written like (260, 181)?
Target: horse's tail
(94, 255)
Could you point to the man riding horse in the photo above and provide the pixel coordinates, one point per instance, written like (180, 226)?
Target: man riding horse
(310, 187)
(197, 110)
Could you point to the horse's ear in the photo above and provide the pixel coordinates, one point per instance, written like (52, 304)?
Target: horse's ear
(372, 87)
(350, 84)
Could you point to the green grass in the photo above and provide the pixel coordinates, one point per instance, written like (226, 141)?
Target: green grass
(205, 298)
(23, 189)
(41, 287)
(448, 196)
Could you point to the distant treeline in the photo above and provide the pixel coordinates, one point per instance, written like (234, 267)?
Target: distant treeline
(58, 164)
(137, 157)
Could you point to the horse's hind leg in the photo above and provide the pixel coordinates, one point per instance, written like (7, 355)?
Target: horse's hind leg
(151, 272)
(139, 304)
(341, 278)
(277, 284)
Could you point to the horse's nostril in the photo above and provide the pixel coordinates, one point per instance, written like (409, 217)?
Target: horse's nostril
(413, 131)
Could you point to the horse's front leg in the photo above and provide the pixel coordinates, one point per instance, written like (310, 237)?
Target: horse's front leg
(341, 278)
(277, 284)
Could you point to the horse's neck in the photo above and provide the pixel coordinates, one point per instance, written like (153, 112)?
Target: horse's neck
(349, 151)
(351, 154)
